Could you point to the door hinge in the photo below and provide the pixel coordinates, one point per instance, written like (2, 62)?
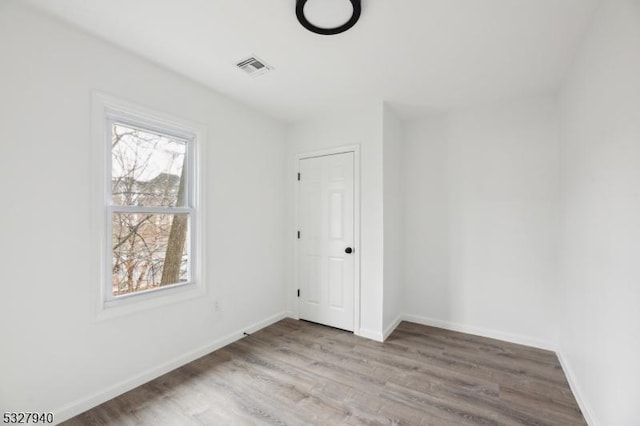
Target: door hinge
(298, 292)
(298, 234)
(298, 176)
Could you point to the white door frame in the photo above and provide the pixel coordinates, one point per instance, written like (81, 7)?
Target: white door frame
(356, 224)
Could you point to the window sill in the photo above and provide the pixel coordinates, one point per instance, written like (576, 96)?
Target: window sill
(133, 303)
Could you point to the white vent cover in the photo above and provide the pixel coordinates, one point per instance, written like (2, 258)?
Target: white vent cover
(254, 66)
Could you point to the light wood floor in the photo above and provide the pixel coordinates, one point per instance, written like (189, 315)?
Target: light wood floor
(295, 372)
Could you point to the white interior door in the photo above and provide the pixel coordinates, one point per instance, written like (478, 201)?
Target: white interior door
(326, 241)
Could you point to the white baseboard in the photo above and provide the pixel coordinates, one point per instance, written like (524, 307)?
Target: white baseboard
(463, 328)
(387, 332)
(586, 409)
(291, 314)
(484, 332)
(80, 406)
(369, 334)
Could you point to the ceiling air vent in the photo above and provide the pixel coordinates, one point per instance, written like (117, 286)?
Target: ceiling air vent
(254, 66)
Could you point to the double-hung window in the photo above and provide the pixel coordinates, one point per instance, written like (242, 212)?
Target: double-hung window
(150, 206)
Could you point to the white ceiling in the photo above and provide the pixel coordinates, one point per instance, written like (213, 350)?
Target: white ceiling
(420, 55)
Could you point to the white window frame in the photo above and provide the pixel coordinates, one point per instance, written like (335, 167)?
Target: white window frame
(106, 111)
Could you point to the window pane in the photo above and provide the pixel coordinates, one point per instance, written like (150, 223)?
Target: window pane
(147, 169)
(148, 251)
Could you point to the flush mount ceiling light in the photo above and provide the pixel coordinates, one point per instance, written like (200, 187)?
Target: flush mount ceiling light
(328, 17)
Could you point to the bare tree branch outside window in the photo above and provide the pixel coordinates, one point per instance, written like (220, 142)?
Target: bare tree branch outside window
(148, 249)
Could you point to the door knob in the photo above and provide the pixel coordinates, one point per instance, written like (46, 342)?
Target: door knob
(348, 250)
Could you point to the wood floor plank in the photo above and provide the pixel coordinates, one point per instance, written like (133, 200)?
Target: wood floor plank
(297, 373)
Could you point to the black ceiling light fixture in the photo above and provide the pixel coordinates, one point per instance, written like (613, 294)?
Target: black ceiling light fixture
(318, 28)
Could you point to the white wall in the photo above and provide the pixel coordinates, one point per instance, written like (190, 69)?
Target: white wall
(348, 126)
(481, 216)
(53, 353)
(600, 159)
(393, 202)
(426, 263)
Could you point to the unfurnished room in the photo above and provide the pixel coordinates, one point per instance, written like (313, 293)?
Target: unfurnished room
(323, 212)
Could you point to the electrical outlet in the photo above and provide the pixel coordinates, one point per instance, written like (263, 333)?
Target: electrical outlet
(216, 306)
